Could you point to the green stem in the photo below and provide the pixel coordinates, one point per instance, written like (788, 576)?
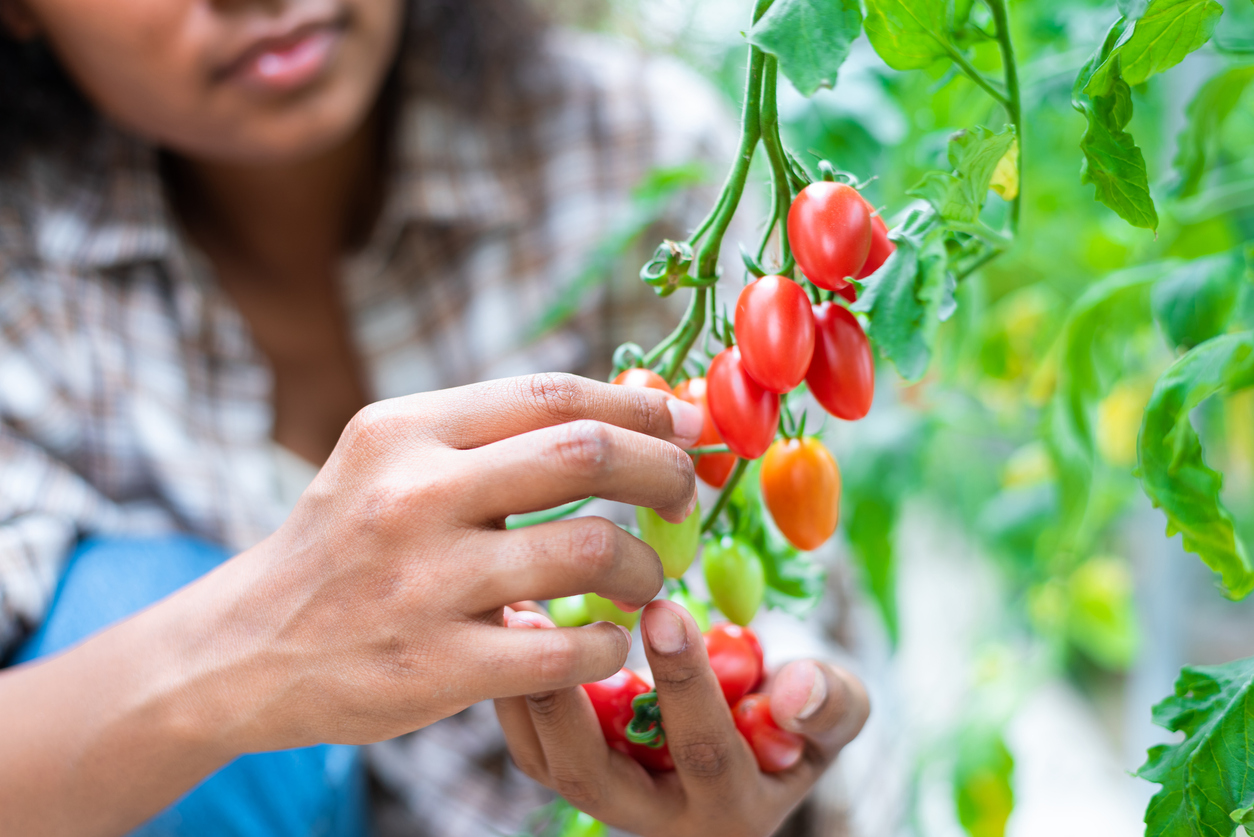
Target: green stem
(518, 521)
(781, 194)
(689, 331)
(725, 494)
(972, 73)
(982, 231)
(707, 449)
(1014, 107)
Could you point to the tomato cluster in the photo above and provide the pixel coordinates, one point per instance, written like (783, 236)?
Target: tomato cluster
(736, 658)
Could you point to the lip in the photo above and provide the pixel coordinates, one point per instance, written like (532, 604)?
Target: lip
(286, 60)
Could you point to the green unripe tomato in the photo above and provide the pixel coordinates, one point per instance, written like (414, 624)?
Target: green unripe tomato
(733, 572)
(603, 610)
(675, 543)
(584, 825)
(570, 612)
(700, 610)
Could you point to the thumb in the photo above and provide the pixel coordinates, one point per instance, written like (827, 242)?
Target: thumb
(819, 701)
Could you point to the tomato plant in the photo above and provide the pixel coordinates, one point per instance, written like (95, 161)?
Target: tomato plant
(842, 372)
(612, 699)
(1085, 361)
(734, 574)
(801, 487)
(829, 229)
(638, 377)
(745, 414)
(776, 749)
(675, 543)
(736, 657)
(712, 468)
(775, 332)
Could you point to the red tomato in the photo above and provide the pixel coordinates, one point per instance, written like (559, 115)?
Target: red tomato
(713, 468)
(776, 749)
(801, 487)
(745, 414)
(829, 228)
(611, 698)
(881, 248)
(849, 292)
(736, 657)
(842, 371)
(641, 377)
(775, 331)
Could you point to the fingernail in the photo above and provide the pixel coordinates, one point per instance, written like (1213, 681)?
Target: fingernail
(686, 421)
(692, 504)
(527, 619)
(818, 693)
(664, 630)
(624, 607)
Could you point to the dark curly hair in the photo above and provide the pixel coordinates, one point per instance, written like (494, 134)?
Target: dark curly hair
(480, 55)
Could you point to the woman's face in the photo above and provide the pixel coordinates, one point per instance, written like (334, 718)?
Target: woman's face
(245, 81)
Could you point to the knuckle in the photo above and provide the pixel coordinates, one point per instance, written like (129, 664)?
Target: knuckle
(374, 423)
(704, 759)
(584, 447)
(592, 546)
(558, 395)
(559, 660)
(546, 705)
(679, 679)
(579, 791)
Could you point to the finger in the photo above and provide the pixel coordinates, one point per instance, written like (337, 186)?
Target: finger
(555, 465)
(581, 766)
(565, 558)
(826, 704)
(534, 607)
(521, 739)
(483, 413)
(511, 662)
(711, 757)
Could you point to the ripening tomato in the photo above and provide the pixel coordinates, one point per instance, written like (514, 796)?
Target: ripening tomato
(601, 609)
(712, 468)
(842, 371)
(745, 414)
(735, 578)
(675, 543)
(611, 698)
(736, 657)
(776, 749)
(829, 229)
(775, 332)
(641, 377)
(801, 487)
(881, 248)
(849, 292)
(570, 611)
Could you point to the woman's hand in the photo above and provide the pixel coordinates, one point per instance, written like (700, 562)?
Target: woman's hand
(377, 608)
(716, 788)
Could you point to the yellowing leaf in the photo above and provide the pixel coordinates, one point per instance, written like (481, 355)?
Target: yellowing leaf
(1119, 419)
(1005, 180)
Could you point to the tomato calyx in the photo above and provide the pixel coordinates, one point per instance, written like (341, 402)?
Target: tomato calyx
(646, 722)
(667, 271)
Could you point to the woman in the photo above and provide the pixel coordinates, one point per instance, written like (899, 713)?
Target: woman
(234, 236)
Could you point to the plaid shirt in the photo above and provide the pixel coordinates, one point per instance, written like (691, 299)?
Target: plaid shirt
(133, 400)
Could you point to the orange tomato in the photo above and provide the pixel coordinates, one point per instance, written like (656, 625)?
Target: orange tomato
(712, 468)
(801, 487)
(641, 377)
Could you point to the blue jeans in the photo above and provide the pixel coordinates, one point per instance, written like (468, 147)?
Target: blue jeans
(310, 792)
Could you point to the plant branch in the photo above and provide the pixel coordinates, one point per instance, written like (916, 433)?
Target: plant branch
(781, 192)
(1013, 104)
(725, 495)
(972, 73)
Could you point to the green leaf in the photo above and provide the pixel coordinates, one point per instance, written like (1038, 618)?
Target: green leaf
(811, 39)
(983, 788)
(1165, 32)
(974, 154)
(910, 295)
(1108, 311)
(1207, 779)
(1205, 115)
(1113, 162)
(1171, 465)
(1196, 302)
(908, 34)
